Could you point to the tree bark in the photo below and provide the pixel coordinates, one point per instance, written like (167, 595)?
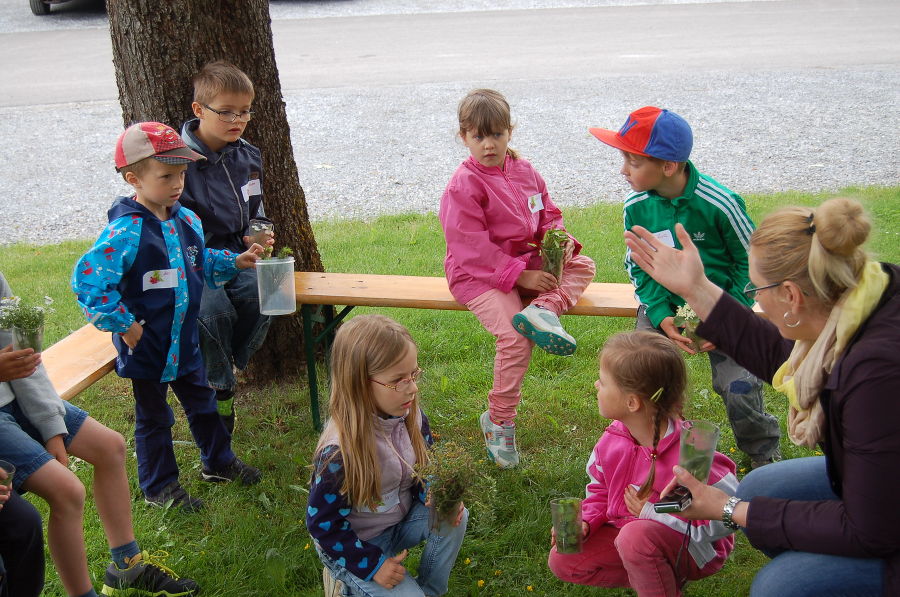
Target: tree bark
(157, 48)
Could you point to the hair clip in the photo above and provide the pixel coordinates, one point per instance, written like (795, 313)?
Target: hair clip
(656, 395)
(812, 227)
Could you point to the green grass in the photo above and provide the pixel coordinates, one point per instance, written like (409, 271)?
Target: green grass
(252, 541)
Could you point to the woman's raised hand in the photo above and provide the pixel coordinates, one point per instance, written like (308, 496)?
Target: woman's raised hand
(680, 271)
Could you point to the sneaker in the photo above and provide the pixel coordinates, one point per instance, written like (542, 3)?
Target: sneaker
(146, 575)
(238, 470)
(225, 407)
(175, 496)
(542, 327)
(500, 441)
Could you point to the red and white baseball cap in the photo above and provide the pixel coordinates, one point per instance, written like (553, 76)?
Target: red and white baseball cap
(152, 140)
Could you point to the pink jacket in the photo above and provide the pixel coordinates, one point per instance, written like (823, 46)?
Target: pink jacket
(618, 461)
(493, 219)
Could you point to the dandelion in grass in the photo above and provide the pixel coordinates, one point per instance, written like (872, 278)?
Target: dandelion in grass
(480, 583)
(529, 588)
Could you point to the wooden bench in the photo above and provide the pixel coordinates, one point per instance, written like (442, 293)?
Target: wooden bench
(318, 293)
(80, 359)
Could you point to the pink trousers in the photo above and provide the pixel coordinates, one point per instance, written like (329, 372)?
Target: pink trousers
(641, 555)
(495, 310)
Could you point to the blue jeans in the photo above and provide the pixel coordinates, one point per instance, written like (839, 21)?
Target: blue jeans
(21, 443)
(435, 565)
(153, 422)
(804, 574)
(231, 328)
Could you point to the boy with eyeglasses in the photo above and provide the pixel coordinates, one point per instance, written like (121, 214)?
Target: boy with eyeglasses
(655, 146)
(225, 190)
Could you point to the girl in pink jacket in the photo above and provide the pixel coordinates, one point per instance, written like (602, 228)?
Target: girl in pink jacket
(626, 543)
(495, 211)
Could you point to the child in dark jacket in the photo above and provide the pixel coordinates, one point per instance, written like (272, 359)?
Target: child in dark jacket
(225, 190)
(142, 280)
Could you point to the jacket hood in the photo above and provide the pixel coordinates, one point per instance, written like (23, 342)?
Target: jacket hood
(128, 206)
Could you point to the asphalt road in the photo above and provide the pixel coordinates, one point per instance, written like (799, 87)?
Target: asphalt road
(75, 65)
(782, 95)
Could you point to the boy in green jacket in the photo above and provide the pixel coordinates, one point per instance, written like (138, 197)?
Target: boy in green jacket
(668, 189)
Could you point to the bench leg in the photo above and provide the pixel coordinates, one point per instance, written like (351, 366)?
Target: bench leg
(313, 314)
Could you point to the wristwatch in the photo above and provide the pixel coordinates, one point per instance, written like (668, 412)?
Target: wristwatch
(728, 513)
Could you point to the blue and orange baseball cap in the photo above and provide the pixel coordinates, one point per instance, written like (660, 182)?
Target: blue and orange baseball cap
(652, 132)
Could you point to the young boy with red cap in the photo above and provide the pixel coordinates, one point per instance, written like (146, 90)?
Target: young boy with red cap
(142, 281)
(668, 189)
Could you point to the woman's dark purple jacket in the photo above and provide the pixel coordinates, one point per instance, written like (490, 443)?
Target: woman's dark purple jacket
(861, 401)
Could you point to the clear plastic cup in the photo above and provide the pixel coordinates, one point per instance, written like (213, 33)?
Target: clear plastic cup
(275, 281)
(10, 470)
(566, 514)
(698, 446)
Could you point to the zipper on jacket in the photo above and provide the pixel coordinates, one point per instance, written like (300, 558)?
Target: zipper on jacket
(524, 205)
(236, 196)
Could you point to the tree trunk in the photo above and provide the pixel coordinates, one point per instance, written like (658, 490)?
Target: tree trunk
(157, 48)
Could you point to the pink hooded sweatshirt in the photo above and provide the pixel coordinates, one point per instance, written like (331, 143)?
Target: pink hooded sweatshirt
(493, 220)
(619, 461)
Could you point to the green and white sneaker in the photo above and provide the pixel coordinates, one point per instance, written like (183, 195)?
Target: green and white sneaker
(146, 575)
(542, 327)
(500, 441)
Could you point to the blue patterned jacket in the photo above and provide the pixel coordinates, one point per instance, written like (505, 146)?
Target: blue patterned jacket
(151, 271)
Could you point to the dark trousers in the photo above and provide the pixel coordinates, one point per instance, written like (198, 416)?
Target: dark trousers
(153, 428)
(21, 549)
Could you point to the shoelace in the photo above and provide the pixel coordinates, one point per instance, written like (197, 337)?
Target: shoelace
(156, 559)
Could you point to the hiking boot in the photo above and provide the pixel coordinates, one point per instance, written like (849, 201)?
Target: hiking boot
(238, 470)
(175, 496)
(755, 463)
(225, 408)
(542, 327)
(500, 441)
(146, 575)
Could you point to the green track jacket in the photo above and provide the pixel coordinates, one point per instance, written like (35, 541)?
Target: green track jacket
(717, 221)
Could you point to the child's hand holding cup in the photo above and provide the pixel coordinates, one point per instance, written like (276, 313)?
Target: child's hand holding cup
(7, 470)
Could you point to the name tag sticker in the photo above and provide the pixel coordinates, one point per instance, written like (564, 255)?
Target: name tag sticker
(160, 278)
(535, 203)
(665, 237)
(253, 187)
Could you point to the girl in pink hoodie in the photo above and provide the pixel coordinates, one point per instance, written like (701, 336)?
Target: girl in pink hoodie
(626, 543)
(495, 211)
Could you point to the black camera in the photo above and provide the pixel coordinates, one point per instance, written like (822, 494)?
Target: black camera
(676, 501)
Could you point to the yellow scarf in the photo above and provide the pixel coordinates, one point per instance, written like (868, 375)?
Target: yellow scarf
(803, 375)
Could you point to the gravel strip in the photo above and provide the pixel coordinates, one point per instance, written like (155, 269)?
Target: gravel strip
(366, 152)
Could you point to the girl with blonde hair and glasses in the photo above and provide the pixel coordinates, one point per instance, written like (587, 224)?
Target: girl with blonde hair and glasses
(831, 344)
(367, 507)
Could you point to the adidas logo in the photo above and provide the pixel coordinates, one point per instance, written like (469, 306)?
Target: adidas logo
(698, 236)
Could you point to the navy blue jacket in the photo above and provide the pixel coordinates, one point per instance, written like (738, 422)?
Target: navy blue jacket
(225, 189)
(150, 271)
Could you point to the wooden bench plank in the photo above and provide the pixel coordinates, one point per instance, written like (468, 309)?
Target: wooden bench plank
(79, 360)
(419, 292)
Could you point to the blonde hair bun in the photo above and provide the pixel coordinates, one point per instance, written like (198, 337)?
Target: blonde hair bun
(841, 226)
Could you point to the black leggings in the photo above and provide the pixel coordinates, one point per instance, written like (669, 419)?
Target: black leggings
(21, 549)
